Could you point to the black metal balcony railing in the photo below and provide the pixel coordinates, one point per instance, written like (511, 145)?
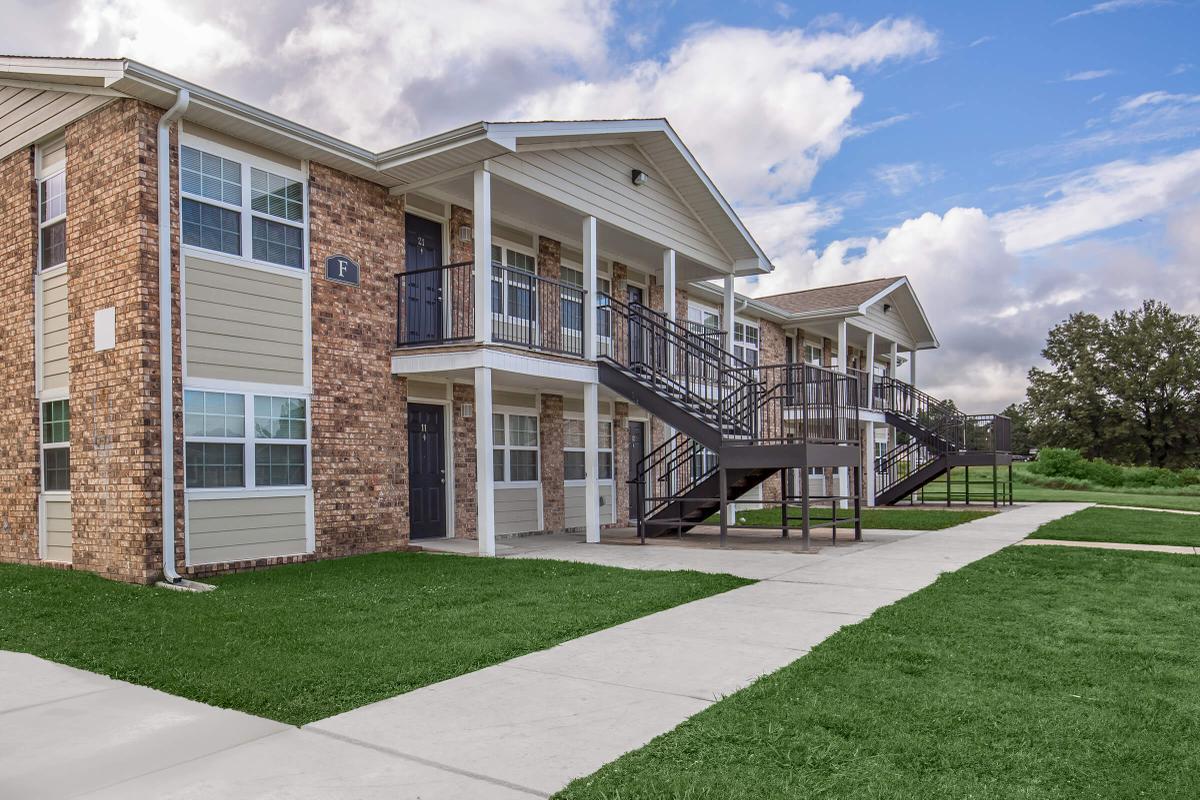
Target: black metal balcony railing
(864, 387)
(436, 305)
(536, 312)
(802, 403)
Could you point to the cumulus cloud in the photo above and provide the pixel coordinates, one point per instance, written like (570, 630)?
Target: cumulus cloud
(994, 285)
(797, 117)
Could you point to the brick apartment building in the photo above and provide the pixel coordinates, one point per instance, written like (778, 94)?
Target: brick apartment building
(371, 348)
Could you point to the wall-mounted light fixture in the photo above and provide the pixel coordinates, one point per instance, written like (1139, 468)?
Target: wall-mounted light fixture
(887, 307)
(639, 178)
(464, 233)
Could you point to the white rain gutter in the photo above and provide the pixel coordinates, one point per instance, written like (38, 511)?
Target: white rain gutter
(166, 348)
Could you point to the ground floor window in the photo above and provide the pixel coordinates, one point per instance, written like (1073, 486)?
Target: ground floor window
(515, 443)
(222, 451)
(574, 450)
(56, 446)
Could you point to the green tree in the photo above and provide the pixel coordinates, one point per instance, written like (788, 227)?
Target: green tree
(1018, 414)
(1126, 388)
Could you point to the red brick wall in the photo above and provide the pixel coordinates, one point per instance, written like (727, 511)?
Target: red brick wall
(19, 461)
(112, 228)
(553, 470)
(359, 409)
(465, 488)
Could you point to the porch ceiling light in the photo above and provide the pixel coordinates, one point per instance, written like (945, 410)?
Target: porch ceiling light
(639, 178)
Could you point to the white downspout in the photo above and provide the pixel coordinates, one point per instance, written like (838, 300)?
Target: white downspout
(166, 349)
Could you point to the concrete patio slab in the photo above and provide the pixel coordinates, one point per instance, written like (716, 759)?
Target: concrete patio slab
(521, 727)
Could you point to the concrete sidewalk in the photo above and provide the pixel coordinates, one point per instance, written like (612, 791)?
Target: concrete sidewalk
(519, 729)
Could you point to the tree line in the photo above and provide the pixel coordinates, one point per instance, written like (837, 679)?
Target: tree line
(1125, 389)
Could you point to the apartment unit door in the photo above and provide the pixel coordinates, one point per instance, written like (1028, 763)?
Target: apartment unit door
(423, 290)
(637, 451)
(426, 471)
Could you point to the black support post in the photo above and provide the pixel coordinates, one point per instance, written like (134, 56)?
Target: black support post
(724, 510)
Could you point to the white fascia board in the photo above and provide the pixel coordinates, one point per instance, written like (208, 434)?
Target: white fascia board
(85, 71)
(423, 148)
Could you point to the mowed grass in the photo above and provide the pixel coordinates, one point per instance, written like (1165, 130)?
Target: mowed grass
(1123, 525)
(303, 642)
(1026, 492)
(911, 519)
(1035, 674)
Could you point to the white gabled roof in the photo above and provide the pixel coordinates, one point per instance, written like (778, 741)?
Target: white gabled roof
(409, 164)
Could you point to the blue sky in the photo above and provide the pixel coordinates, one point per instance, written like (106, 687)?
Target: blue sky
(1019, 161)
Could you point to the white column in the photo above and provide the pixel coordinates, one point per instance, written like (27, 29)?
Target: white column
(894, 367)
(912, 367)
(589, 286)
(843, 364)
(843, 361)
(727, 313)
(869, 460)
(485, 484)
(482, 216)
(870, 370)
(591, 457)
(668, 284)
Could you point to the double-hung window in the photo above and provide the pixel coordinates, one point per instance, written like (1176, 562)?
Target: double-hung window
(574, 450)
(223, 451)
(813, 355)
(515, 443)
(52, 220)
(513, 284)
(231, 206)
(56, 446)
(745, 342)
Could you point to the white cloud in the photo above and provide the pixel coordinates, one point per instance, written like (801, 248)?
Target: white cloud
(982, 40)
(1090, 75)
(903, 178)
(796, 116)
(1109, 6)
(1156, 99)
(1105, 197)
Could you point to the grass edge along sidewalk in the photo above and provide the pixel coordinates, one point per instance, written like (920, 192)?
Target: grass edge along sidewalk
(306, 641)
(1045, 672)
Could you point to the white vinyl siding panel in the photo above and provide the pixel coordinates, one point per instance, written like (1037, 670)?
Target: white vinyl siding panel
(58, 529)
(55, 359)
(597, 180)
(889, 325)
(516, 510)
(28, 114)
(576, 505)
(240, 529)
(243, 324)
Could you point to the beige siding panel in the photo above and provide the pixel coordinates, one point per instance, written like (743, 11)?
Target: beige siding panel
(889, 325)
(58, 529)
(434, 391)
(29, 114)
(575, 406)
(516, 399)
(239, 529)
(576, 505)
(416, 202)
(597, 181)
(55, 359)
(243, 324)
(516, 510)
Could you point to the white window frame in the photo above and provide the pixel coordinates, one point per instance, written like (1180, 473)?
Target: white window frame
(507, 447)
(611, 449)
(247, 161)
(503, 281)
(44, 446)
(250, 486)
(809, 350)
(744, 344)
(43, 224)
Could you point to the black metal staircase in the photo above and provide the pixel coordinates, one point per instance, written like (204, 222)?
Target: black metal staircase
(737, 424)
(940, 438)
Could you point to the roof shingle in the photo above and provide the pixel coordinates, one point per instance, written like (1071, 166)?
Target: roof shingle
(828, 298)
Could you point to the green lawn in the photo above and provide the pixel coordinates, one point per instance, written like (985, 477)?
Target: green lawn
(1026, 492)
(1123, 525)
(302, 642)
(1035, 674)
(910, 519)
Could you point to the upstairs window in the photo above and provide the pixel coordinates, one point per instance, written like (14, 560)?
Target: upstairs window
(56, 446)
(52, 220)
(229, 206)
(745, 342)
